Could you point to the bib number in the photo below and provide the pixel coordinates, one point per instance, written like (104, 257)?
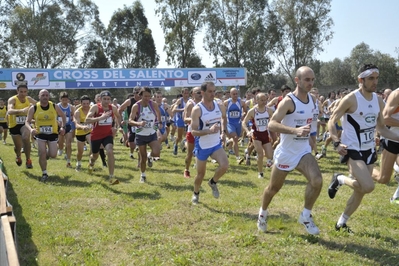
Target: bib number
(20, 120)
(105, 122)
(46, 129)
(234, 114)
(367, 135)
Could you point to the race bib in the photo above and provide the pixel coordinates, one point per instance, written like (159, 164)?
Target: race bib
(148, 123)
(2, 118)
(105, 122)
(234, 114)
(262, 123)
(20, 119)
(367, 135)
(46, 129)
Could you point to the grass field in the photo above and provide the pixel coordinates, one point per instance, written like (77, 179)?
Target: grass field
(79, 219)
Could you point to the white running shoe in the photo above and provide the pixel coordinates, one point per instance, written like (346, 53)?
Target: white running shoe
(262, 222)
(59, 153)
(309, 225)
(195, 199)
(319, 156)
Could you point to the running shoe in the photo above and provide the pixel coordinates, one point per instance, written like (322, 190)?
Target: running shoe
(78, 168)
(68, 165)
(186, 174)
(44, 178)
(215, 191)
(309, 225)
(195, 199)
(29, 164)
(262, 223)
(319, 156)
(113, 181)
(18, 160)
(149, 161)
(240, 161)
(59, 153)
(143, 179)
(334, 186)
(260, 176)
(248, 160)
(344, 228)
(90, 168)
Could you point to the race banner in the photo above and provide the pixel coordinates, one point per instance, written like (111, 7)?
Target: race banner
(120, 78)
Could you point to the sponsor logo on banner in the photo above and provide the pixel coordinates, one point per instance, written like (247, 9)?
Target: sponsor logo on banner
(198, 77)
(32, 79)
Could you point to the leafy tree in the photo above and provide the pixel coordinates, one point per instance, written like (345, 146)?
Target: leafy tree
(388, 69)
(46, 34)
(130, 42)
(181, 20)
(361, 54)
(336, 73)
(94, 56)
(237, 36)
(300, 27)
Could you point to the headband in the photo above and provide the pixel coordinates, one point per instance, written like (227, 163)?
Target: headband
(368, 72)
(105, 93)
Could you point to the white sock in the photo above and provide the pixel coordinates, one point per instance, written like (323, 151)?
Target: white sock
(149, 154)
(396, 194)
(396, 167)
(44, 172)
(306, 212)
(238, 157)
(262, 212)
(143, 174)
(343, 219)
(341, 179)
(78, 163)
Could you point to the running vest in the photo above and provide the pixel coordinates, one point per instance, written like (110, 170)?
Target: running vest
(102, 128)
(148, 114)
(3, 114)
(18, 119)
(82, 117)
(46, 119)
(234, 111)
(359, 126)
(260, 121)
(302, 115)
(207, 119)
(179, 115)
(67, 112)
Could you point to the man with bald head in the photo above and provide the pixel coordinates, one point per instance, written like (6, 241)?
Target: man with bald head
(46, 131)
(235, 109)
(293, 119)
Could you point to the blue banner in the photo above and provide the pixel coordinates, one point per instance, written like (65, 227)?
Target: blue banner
(120, 78)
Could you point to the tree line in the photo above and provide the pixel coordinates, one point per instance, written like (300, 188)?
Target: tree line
(269, 38)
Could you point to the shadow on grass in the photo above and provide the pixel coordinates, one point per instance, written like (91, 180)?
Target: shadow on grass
(169, 186)
(379, 255)
(233, 183)
(27, 250)
(136, 195)
(58, 180)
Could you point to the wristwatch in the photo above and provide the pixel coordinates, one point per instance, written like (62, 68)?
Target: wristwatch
(336, 144)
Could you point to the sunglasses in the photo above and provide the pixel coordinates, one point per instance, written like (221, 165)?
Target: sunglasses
(198, 92)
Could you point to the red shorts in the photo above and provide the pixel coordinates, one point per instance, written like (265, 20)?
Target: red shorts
(261, 136)
(190, 138)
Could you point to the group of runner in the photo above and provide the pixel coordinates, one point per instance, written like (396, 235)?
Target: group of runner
(284, 129)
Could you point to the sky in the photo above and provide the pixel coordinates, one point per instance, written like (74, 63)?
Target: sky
(372, 22)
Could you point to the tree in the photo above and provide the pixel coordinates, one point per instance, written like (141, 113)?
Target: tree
(46, 34)
(94, 56)
(361, 54)
(301, 28)
(238, 37)
(180, 21)
(336, 73)
(130, 42)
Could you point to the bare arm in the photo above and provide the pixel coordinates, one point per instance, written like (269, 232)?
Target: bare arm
(29, 119)
(13, 111)
(117, 116)
(382, 129)
(272, 102)
(344, 106)
(390, 108)
(195, 119)
(133, 115)
(176, 104)
(187, 112)
(248, 117)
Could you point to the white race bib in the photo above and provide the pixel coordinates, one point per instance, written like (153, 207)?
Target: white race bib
(20, 119)
(105, 122)
(46, 129)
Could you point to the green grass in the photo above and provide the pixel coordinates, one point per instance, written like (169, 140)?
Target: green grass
(78, 219)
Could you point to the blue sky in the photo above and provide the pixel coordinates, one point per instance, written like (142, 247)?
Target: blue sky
(355, 21)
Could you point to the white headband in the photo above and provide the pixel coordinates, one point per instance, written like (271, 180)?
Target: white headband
(368, 72)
